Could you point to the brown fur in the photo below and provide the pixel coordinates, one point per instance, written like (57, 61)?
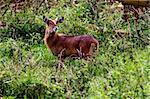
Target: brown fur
(57, 43)
(69, 46)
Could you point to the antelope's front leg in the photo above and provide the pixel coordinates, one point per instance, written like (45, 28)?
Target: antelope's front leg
(61, 61)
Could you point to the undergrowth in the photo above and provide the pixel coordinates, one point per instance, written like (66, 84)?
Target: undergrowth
(119, 70)
(31, 72)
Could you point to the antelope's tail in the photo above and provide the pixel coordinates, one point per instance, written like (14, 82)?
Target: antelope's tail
(97, 45)
(94, 47)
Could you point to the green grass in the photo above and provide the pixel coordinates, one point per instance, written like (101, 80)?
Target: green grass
(120, 70)
(30, 71)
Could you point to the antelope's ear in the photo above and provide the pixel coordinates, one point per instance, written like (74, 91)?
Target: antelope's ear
(45, 19)
(59, 20)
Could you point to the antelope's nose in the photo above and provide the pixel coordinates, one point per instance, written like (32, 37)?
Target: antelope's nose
(55, 29)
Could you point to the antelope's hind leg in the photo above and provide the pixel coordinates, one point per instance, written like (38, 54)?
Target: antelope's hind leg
(93, 50)
(79, 53)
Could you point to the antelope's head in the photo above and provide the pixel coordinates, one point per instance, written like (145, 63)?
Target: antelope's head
(52, 24)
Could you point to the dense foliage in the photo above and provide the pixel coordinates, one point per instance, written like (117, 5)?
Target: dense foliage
(28, 69)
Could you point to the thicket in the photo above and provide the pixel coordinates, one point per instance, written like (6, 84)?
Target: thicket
(28, 70)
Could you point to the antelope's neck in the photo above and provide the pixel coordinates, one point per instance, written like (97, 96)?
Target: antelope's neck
(51, 40)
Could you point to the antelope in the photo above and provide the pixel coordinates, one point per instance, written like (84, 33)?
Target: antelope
(63, 46)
